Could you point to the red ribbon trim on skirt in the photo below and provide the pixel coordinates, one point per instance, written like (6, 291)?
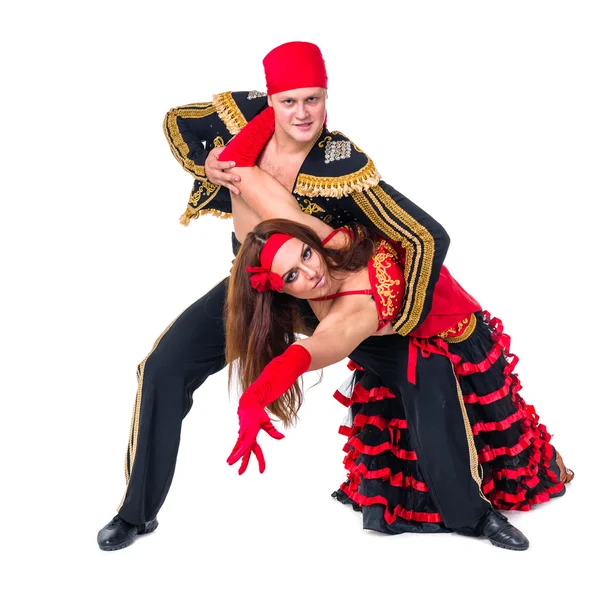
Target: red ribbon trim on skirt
(361, 395)
(499, 425)
(399, 511)
(385, 474)
(363, 448)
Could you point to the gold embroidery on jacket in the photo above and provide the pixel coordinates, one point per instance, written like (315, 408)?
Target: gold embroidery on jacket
(326, 139)
(382, 261)
(194, 208)
(205, 187)
(218, 142)
(310, 207)
(229, 112)
(177, 144)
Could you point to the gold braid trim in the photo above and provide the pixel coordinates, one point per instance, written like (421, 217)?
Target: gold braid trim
(135, 419)
(336, 187)
(424, 243)
(193, 213)
(468, 324)
(419, 248)
(473, 459)
(389, 228)
(229, 112)
(177, 144)
(216, 213)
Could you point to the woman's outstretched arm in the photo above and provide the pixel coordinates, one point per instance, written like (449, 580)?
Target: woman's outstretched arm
(338, 334)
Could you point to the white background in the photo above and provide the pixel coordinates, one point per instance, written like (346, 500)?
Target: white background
(484, 113)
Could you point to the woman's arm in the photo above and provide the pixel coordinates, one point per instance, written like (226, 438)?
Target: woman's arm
(270, 200)
(338, 334)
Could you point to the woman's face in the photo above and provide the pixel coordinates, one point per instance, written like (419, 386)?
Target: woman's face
(300, 113)
(303, 271)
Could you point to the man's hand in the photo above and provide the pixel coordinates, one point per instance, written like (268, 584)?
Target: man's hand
(215, 170)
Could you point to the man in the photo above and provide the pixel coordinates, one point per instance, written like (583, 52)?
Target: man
(332, 179)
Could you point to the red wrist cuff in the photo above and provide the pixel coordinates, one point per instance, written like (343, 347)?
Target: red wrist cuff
(245, 147)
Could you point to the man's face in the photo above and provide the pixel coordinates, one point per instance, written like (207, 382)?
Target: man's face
(300, 113)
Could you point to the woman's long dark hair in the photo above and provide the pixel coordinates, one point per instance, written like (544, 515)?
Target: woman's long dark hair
(261, 325)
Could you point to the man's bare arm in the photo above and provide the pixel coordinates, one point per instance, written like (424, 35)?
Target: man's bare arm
(270, 200)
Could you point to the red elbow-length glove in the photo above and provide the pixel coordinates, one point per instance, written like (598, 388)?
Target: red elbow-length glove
(276, 378)
(245, 147)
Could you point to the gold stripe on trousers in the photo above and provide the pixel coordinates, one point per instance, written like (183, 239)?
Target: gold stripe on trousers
(135, 419)
(473, 459)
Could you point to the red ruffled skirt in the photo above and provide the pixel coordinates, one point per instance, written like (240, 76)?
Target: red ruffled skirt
(517, 461)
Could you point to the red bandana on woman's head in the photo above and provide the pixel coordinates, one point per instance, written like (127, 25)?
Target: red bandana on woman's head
(264, 279)
(294, 65)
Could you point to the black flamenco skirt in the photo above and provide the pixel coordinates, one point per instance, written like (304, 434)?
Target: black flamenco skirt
(517, 463)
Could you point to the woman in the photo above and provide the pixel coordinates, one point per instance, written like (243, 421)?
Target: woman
(406, 455)
(411, 399)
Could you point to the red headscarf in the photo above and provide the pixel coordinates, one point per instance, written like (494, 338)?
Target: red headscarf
(263, 278)
(294, 65)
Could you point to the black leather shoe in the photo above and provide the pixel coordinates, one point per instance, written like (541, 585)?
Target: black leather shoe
(119, 534)
(496, 528)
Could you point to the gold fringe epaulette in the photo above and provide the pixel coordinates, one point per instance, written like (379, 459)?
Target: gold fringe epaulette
(336, 187)
(229, 112)
(193, 213)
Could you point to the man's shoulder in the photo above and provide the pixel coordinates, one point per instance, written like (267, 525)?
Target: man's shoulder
(335, 167)
(235, 109)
